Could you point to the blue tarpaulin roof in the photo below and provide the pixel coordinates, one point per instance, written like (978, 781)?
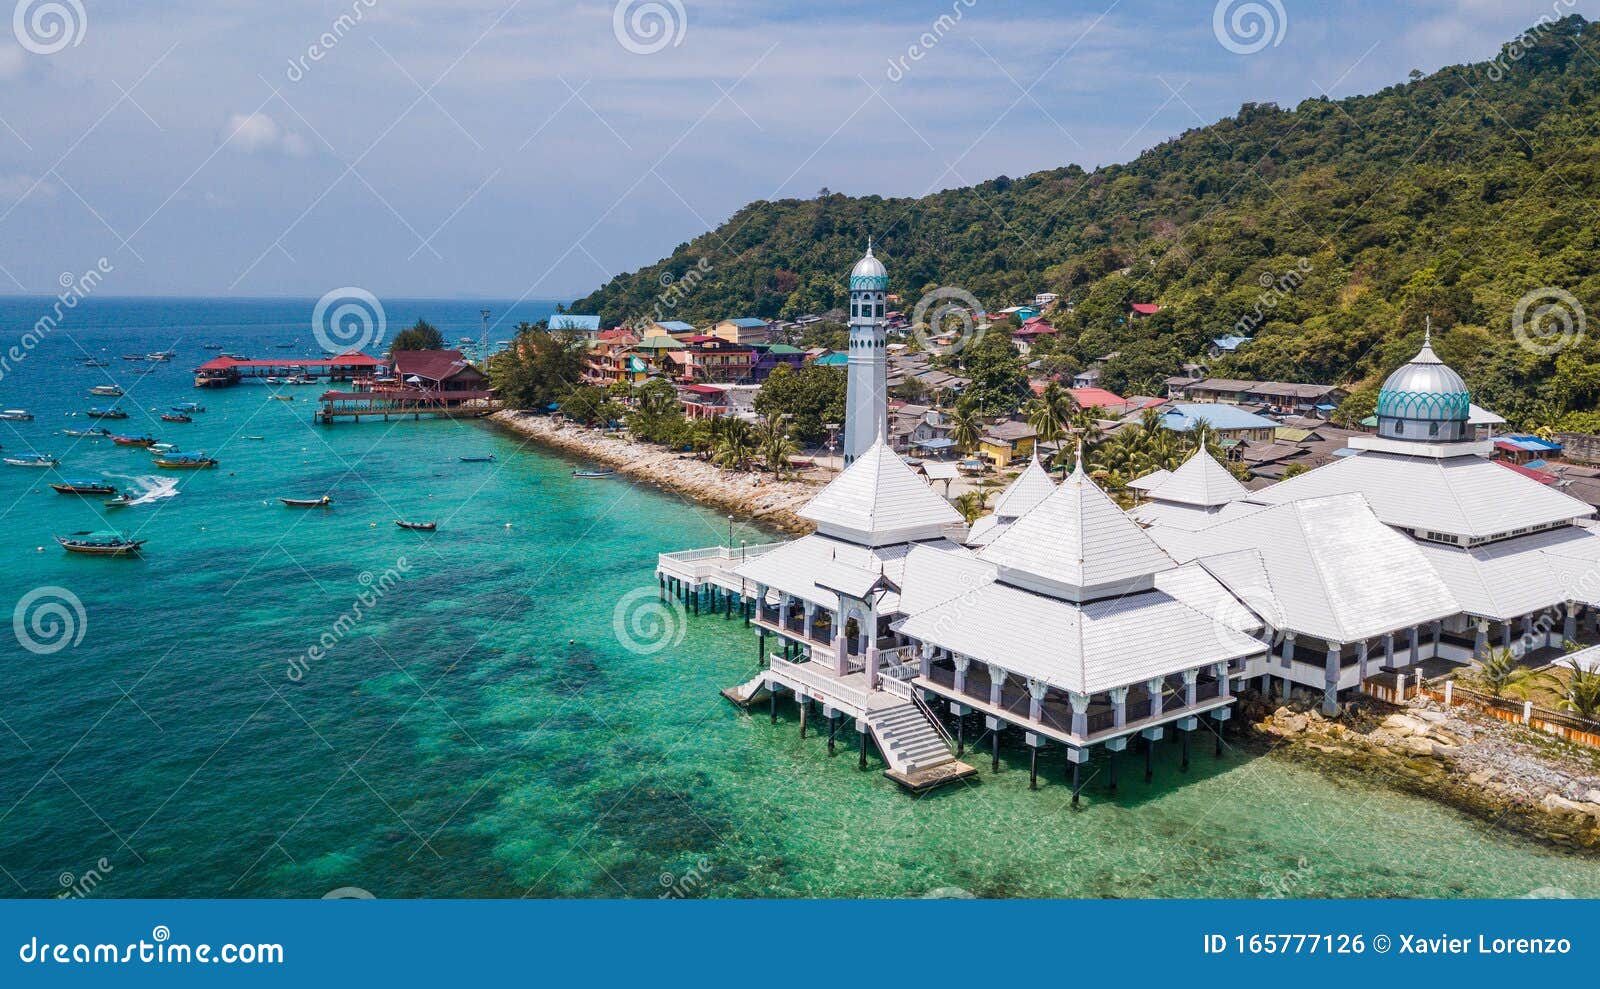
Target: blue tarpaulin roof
(936, 444)
(1533, 443)
(574, 321)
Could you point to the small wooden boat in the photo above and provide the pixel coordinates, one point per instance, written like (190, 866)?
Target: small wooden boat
(133, 440)
(588, 472)
(188, 407)
(34, 460)
(99, 413)
(418, 526)
(273, 379)
(161, 356)
(255, 437)
(93, 362)
(94, 433)
(93, 486)
(100, 543)
(108, 391)
(185, 461)
(16, 415)
(211, 346)
(477, 460)
(119, 501)
(284, 398)
(175, 417)
(133, 357)
(322, 502)
(156, 448)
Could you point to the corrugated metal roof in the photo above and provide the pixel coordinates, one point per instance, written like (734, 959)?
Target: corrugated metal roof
(1520, 576)
(1330, 568)
(1463, 496)
(1200, 481)
(1075, 539)
(879, 497)
(1085, 648)
(1220, 415)
(1150, 480)
(1032, 486)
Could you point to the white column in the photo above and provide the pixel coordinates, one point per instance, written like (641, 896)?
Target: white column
(997, 682)
(1036, 692)
(1224, 685)
(1569, 624)
(925, 656)
(962, 662)
(1080, 714)
(811, 618)
(1330, 679)
(1119, 706)
(1288, 649)
(1362, 652)
(1191, 688)
(1416, 654)
(1156, 688)
(1480, 641)
(1388, 649)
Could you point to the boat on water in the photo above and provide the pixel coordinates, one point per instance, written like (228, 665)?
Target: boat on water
(103, 413)
(100, 543)
(108, 391)
(587, 472)
(94, 362)
(188, 407)
(302, 379)
(211, 346)
(86, 486)
(156, 448)
(255, 437)
(273, 379)
(417, 526)
(322, 502)
(477, 460)
(133, 357)
(120, 501)
(185, 461)
(175, 417)
(94, 433)
(162, 356)
(284, 398)
(34, 460)
(133, 440)
(16, 415)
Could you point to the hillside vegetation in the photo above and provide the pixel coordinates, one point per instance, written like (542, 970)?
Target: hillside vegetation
(1329, 232)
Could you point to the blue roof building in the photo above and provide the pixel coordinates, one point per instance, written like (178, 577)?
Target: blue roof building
(1228, 420)
(575, 322)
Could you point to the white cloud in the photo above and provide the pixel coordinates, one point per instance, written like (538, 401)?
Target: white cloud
(257, 133)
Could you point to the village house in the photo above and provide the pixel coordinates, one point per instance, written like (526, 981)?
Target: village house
(1228, 421)
(1284, 397)
(745, 330)
(1005, 442)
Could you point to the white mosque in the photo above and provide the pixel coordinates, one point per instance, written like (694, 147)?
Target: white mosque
(1087, 627)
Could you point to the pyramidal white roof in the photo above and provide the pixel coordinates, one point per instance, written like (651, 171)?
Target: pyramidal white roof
(879, 500)
(1077, 545)
(1200, 481)
(1021, 496)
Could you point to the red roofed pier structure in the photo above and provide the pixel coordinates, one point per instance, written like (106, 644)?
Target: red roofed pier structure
(220, 372)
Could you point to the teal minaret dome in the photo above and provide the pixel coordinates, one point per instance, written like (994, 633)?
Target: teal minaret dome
(869, 274)
(1425, 401)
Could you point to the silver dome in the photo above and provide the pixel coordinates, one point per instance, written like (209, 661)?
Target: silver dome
(869, 272)
(1426, 388)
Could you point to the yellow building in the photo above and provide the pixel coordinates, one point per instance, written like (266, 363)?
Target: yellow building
(1006, 442)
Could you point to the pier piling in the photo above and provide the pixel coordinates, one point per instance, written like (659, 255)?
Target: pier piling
(1111, 769)
(804, 703)
(1033, 767)
(833, 728)
(1076, 781)
(994, 765)
(1149, 754)
(1185, 764)
(861, 749)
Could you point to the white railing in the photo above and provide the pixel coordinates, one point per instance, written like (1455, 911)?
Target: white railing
(819, 684)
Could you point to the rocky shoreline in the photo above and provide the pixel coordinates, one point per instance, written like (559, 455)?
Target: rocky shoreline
(756, 497)
(1505, 774)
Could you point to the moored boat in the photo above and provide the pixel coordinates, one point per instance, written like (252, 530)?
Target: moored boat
(587, 472)
(185, 461)
(103, 413)
(133, 440)
(107, 391)
(86, 486)
(175, 417)
(94, 362)
(477, 460)
(34, 460)
(100, 543)
(307, 502)
(16, 415)
(133, 357)
(418, 526)
(187, 407)
(95, 433)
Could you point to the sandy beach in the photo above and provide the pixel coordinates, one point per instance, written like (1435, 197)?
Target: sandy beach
(755, 496)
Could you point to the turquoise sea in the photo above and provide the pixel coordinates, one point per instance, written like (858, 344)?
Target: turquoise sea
(479, 725)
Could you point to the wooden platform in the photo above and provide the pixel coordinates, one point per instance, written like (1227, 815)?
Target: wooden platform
(935, 776)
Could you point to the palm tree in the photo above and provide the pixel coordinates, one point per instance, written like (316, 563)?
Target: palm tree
(1500, 673)
(972, 505)
(776, 446)
(735, 443)
(965, 427)
(1583, 691)
(1050, 413)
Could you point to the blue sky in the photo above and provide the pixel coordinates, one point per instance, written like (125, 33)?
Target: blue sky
(522, 148)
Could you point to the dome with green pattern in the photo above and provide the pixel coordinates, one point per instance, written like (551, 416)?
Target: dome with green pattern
(1424, 400)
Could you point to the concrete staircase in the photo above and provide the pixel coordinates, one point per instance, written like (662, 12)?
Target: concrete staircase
(910, 744)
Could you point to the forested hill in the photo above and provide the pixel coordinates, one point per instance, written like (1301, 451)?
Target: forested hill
(1449, 196)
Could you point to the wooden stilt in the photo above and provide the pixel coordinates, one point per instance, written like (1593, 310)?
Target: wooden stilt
(1149, 753)
(961, 739)
(761, 650)
(833, 727)
(745, 608)
(772, 695)
(1185, 763)
(1111, 769)
(1075, 783)
(994, 765)
(861, 748)
(804, 704)
(1033, 767)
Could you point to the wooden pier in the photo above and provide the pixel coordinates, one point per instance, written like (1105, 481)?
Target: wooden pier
(222, 372)
(387, 403)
